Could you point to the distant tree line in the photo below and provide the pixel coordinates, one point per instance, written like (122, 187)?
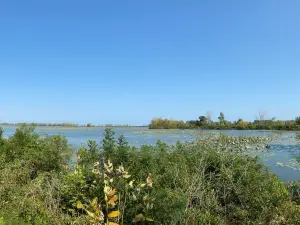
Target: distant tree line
(47, 124)
(205, 122)
(70, 125)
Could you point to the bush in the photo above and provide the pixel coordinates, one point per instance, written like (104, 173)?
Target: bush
(25, 159)
(159, 123)
(187, 183)
(194, 183)
(42, 154)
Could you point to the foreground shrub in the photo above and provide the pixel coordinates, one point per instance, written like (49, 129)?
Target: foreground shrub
(209, 181)
(26, 159)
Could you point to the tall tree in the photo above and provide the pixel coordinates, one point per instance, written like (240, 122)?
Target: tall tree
(221, 118)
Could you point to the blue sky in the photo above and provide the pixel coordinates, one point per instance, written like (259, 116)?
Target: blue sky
(129, 61)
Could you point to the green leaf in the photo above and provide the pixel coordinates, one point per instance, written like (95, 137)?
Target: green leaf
(90, 214)
(79, 205)
(94, 203)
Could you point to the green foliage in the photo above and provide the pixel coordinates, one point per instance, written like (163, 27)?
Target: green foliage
(1, 138)
(204, 182)
(160, 123)
(205, 123)
(41, 154)
(108, 143)
(241, 125)
(209, 181)
(297, 120)
(222, 119)
(26, 159)
(294, 189)
(88, 154)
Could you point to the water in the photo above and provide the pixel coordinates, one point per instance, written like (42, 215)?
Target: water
(280, 158)
(135, 136)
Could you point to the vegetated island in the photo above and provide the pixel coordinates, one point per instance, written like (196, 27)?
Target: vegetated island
(205, 122)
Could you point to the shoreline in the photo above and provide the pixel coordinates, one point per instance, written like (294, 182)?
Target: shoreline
(70, 127)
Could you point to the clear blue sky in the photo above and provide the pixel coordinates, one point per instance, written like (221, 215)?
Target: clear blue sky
(129, 61)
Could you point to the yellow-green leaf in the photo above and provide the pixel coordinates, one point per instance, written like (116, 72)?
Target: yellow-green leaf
(126, 176)
(134, 197)
(114, 214)
(106, 189)
(79, 205)
(131, 184)
(94, 203)
(91, 214)
(149, 219)
(109, 163)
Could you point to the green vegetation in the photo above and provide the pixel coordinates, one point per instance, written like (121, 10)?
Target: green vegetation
(209, 181)
(45, 124)
(68, 125)
(167, 124)
(204, 122)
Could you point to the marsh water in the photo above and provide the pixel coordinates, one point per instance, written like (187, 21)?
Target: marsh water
(280, 158)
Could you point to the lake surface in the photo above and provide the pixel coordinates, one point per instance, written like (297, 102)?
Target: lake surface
(280, 158)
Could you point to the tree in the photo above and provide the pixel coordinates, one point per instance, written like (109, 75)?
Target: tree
(192, 123)
(221, 118)
(203, 120)
(297, 120)
(239, 120)
(108, 143)
(241, 125)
